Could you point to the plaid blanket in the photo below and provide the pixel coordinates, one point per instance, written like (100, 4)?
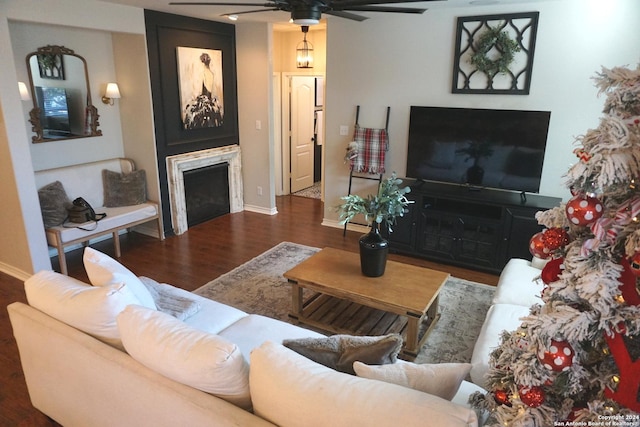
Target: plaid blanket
(372, 146)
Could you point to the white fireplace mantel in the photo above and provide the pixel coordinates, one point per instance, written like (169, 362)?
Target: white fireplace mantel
(180, 163)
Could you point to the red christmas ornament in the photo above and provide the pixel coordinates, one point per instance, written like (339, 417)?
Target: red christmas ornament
(583, 210)
(555, 238)
(634, 264)
(551, 271)
(531, 396)
(502, 397)
(537, 246)
(558, 357)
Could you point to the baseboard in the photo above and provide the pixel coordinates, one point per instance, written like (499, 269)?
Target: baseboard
(260, 209)
(14, 272)
(350, 227)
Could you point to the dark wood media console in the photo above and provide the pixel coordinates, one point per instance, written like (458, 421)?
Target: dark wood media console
(475, 228)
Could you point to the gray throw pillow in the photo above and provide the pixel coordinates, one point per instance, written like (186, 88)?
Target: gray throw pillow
(122, 189)
(53, 204)
(340, 351)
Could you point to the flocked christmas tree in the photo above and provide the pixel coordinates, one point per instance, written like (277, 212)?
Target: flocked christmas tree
(575, 360)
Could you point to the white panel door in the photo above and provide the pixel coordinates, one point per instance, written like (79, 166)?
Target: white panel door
(302, 144)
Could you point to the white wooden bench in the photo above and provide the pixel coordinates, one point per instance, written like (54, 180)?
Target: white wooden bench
(85, 180)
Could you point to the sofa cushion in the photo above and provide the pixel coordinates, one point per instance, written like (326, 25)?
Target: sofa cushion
(198, 359)
(104, 270)
(518, 284)
(500, 317)
(53, 204)
(252, 330)
(90, 309)
(441, 379)
(340, 351)
(291, 390)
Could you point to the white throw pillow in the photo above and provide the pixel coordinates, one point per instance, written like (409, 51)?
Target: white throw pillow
(187, 355)
(104, 270)
(292, 391)
(90, 309)
(442, 379)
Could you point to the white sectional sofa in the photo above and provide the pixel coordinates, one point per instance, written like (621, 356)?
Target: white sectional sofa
(519, 287)
(71, 338)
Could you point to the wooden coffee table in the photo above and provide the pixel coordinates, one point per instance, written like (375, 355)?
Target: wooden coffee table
(341, 297)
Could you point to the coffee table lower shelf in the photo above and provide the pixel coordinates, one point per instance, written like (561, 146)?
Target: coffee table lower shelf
(340, 316)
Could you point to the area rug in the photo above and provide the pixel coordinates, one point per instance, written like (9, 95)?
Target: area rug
(313, 192)
(259, 287)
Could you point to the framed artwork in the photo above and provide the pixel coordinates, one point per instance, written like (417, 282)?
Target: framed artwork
(494, 54)
(51, 66)
(200, 86)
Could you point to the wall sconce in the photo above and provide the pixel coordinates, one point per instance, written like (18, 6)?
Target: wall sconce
(24, 92)
(111, 93)
(304, 51)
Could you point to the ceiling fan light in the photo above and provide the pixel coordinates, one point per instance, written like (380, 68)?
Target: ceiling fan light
(307, 15)
(306, 21)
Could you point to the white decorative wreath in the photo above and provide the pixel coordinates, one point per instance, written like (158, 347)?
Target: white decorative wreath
(503, 43)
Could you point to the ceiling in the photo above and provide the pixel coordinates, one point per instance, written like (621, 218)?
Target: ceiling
(213, 13)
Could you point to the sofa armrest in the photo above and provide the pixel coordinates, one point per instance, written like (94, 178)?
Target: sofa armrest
(78, 381)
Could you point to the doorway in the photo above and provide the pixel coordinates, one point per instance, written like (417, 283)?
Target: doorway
(298, 103)
(302, 132)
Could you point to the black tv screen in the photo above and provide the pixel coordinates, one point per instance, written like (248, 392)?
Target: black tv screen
(478, 147)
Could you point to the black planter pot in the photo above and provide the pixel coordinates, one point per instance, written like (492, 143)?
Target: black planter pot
(373, 252)
(475, 174)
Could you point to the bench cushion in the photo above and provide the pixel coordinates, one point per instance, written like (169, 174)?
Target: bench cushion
(116, 217)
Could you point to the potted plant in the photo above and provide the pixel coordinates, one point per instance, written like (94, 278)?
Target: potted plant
(381, 209)
(476, 150)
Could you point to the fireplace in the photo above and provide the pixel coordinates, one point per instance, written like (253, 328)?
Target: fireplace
(206, 192)
(189, 164)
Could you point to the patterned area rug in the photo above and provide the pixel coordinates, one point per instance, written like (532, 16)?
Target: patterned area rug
(312, 192)
(259, 287)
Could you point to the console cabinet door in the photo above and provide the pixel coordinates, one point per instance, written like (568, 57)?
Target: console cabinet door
(478, 241)
(402, 238)
(438, 234)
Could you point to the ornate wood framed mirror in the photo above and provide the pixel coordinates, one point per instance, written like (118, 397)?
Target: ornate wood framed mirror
(62, 107)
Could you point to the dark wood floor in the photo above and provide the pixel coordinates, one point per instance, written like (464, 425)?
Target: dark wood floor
(189, 261)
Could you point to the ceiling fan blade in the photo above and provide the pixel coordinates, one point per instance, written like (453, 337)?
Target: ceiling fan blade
(250, 11)
(197, 3)
(384, 9)
(346, 4)
(346, 15)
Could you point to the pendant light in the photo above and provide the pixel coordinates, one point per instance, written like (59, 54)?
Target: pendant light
(304, 51)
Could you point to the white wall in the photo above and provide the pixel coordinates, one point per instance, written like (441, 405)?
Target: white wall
(23, 248)
(400, 60)
(253, 58)
(97, 49)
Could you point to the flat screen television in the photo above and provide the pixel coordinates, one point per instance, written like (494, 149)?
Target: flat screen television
(480, 148)
(54, 110)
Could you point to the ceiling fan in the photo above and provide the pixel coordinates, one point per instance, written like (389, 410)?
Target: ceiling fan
(308, 12)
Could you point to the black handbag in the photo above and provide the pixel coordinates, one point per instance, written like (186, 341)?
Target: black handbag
(81, 212)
